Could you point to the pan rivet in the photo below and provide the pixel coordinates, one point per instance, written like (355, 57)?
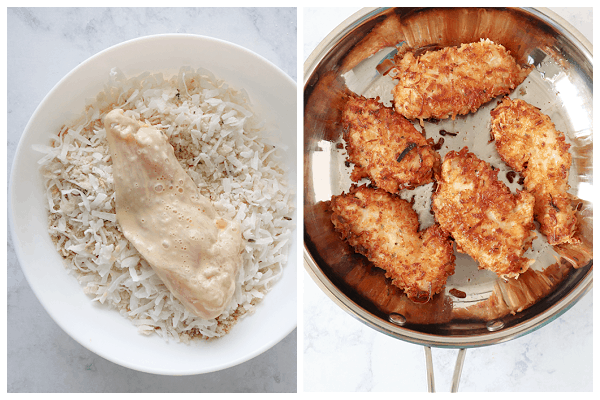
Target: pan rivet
(493, 326)
(397, 319)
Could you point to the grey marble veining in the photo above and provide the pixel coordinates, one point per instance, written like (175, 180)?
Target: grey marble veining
(43, 45)
(342, 354)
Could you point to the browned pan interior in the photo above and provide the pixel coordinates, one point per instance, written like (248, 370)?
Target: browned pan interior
(476, 307)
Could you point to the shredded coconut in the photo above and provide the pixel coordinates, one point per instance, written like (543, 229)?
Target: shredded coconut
(217, 140)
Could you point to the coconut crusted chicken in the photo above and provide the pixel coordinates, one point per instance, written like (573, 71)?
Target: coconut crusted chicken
(454, 80)
(384, 228)
(385, 147)
(177, 230)
(485, 219)
(529, 143)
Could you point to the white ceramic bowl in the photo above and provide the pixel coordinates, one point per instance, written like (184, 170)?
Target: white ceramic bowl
(104, 331)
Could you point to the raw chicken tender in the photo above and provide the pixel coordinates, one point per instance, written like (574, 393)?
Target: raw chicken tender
(384, 228)
(485, 219)
(196, 253)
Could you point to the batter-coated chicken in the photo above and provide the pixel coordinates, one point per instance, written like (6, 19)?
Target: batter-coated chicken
(485, 219)
(196, 253)
(529, 143)
(385, 147)
(454, 81)
(384, 228)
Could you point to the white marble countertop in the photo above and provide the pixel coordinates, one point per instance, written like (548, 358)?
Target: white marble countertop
(342, 354)
(43, 45)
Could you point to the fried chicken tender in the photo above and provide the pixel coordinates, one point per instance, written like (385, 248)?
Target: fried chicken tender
(529, 143)
(384, 228)
(454, 81)
(485, 219)
(385, 147)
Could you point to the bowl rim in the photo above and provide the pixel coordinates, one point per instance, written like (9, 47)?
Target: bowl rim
(12, 183)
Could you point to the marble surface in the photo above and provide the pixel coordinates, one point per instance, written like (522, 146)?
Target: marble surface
(342, 354)
(43, 45)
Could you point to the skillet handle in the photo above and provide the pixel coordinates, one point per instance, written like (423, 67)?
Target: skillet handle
(460, 360)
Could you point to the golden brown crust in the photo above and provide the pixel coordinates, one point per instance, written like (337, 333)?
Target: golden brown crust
(384, 228)
(454, 81)
(529, 143)
(485, 219)
(385, 147)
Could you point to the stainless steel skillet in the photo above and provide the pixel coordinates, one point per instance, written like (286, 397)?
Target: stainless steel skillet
(476, 309)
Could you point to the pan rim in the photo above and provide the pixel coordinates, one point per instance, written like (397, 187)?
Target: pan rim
(541, 319)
